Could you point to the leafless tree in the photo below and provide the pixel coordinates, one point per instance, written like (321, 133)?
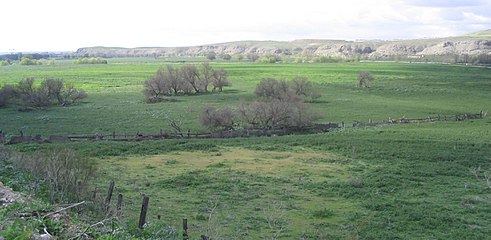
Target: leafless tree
(364, 79)
(64, 94)
(220, 79)
(270, 88)
(268, 115)
(175, 121)
(217, 118)
(54, 87)
(302, 86)
(156, 87)
(276, 114)
(71, 95)
(205, 75)
(189, 74)
(172, 78)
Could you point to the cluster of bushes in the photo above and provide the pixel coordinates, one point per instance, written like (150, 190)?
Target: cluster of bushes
(5, 62)
(279, 104)
(188, 79)
(50, 91)
(27, 60)
(90, 61)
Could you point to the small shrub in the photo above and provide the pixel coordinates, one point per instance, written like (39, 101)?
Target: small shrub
(65, 172)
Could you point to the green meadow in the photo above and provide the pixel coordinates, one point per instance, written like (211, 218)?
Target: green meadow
(116, 102)
(413, 181)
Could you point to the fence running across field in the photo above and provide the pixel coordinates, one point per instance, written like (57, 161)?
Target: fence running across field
(317, 128)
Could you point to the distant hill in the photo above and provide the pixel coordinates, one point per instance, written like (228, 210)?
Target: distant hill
(469, 45)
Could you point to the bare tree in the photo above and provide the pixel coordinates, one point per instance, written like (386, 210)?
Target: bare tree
(276, 114)
(64, 94)
(364, 79)
(175, 121)
(71, 95)
(156, 87)
(189, 74)
(172, 78)
(266, 115)
(302, 86)
(270, 88)
(54, 87)
(205, 75)
(220, 80)
(39, 98)
(217, 118)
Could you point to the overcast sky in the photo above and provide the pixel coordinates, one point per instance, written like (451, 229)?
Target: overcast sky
(50, 25)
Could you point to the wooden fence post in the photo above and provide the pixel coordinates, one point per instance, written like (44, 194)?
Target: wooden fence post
(114, 134)
(94, 193)
(109, 195)
(143, 213)
(185, 235)
(119, 206)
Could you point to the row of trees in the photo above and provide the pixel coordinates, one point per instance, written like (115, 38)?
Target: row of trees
(50, 91)
(90, 61)
(278, 104)
(188, 79)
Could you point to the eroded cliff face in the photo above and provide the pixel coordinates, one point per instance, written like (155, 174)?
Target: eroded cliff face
(368, 49)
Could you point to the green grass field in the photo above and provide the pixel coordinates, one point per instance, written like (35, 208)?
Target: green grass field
(416, 181)
(116, 102)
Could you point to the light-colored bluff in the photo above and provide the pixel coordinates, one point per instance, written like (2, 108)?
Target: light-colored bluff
(473, 44)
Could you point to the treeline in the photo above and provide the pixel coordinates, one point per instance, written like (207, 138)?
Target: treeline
(90, 61)
(27, 60)
(51, 91)
(279, 104)
(18, 56)
(188, 79)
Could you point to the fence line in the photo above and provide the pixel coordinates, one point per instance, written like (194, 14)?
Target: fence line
(317, 128)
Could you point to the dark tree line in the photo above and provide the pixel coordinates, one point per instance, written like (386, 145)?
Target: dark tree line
(50, 91)
(188, 79)
(279, 104)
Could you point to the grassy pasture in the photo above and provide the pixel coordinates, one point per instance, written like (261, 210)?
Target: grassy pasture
(398, 182)
(395, 182)
(115, 101)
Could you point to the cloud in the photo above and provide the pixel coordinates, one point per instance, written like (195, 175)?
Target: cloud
(444, 3)
(68, 25)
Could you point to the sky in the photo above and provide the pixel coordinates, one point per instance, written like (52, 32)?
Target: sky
(62, 25)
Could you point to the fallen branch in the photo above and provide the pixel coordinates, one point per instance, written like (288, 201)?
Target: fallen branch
(63, 209)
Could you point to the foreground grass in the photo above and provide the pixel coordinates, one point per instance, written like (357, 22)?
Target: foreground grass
(408, 181)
